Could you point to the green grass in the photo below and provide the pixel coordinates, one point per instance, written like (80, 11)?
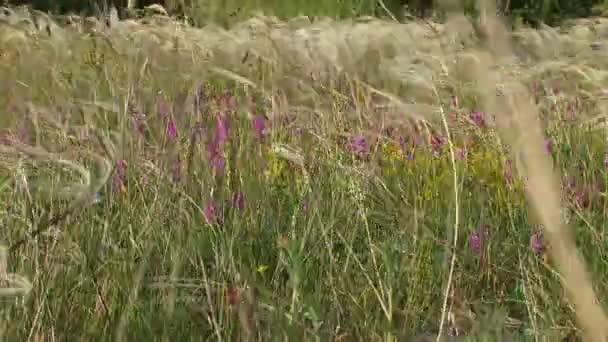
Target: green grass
(335, 247)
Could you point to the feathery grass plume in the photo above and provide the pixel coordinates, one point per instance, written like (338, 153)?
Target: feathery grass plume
(11, 284)
(543, 187)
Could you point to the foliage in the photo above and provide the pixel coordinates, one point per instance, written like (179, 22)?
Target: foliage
(230, 11)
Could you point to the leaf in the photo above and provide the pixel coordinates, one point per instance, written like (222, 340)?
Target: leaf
(262, 268)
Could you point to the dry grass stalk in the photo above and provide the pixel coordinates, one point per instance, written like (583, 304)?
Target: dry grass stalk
(543, 191)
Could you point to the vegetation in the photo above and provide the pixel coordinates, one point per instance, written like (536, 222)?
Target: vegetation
(294, 180)
(233, 11)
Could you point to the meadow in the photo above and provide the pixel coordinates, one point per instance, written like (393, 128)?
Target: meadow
(293, 179)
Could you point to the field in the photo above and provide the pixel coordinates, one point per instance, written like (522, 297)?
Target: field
(300, 180)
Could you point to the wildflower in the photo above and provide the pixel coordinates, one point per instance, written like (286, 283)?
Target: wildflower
(537, 242)
(171, 129)
(437, 143)
(461, 153)
(477, 239)
(119, 177)
(216, 159)
(262, 268)
(305, 205)
(162, 107)
(221, 129)
(299, 131)
(228, 101)
(393, 151)
(549, 145)
(197, 131)
(606, 160)
(582, 198)
(275, 167)
(232, 296)
(238, 200)
(7, 138)
(359, 145)
(218, 163)
(478, 119)
(210, 213)
(259, 126)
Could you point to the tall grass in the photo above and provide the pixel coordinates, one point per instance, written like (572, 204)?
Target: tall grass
(296, 180)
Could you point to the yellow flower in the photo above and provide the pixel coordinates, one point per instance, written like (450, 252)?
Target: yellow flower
(275, 168)
(392, 151)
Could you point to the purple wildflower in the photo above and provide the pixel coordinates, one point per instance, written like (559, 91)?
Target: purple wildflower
(461, 153)
(437, 143)
(221, 129)
(537, 242)
(582, 198)
(119, 177)
(478, 238)
(305, 205)
(197, 131)
(549, 145)
(171, 129)
(218, 163)
(238, 200)
(210, 213)
(216, 159)
(418, 140)
(7, 138)
(299, 131)
(479, 118)
(359, 145)
(162, 107)
(259, 126)
(228, 101)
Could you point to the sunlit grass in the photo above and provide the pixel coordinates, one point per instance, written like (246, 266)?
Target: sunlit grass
(277, 199)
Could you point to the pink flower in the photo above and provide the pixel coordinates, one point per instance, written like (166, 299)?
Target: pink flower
(537, 242)
(238, 200)
(210, 213)
(162, 107)
(221, 129)
(461, 153)
(478, 238)
(259, 126)
(171, 129)
(549, 145)
(479, 118)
